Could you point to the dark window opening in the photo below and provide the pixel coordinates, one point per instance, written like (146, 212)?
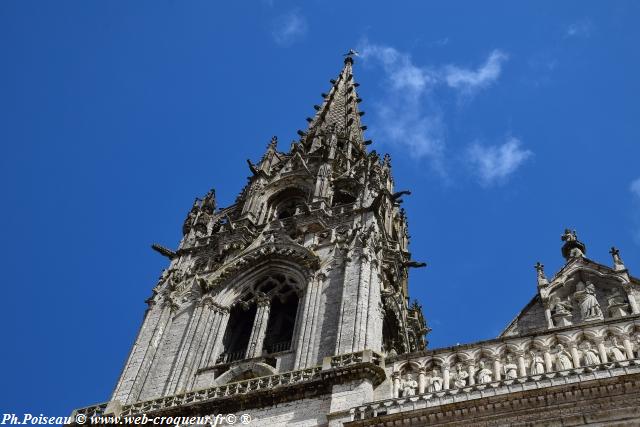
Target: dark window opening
(343, 198)
(236, 337)
(282, 319)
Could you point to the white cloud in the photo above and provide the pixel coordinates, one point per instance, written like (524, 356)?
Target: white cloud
(469, 81)
(495, 164)
(582, 28)
(410, 114)
(406, 117)
(289, 28)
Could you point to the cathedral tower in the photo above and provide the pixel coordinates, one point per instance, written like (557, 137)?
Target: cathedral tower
(310, 262)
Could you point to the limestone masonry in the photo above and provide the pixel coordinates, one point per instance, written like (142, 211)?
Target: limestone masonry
(292, 305)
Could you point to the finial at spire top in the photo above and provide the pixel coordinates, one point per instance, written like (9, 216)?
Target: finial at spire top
(349, 56)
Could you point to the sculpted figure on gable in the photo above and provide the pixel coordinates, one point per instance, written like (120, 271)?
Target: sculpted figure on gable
(589, 306)
(561, 311)
(617, 306)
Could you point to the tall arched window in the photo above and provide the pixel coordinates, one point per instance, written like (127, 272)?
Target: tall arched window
(265, 315)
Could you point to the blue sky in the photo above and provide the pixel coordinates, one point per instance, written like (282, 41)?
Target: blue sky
(509, 121)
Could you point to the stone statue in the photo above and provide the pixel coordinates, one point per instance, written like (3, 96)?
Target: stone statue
(435, 382)
(561, 311)
(563, 359)
(537, 364)
(322, 182)
(616, 352)
(590, 356)
(460, 376)
(616, 304)
(408, 385)
(510, 368)
(589, 306)
(484, 374)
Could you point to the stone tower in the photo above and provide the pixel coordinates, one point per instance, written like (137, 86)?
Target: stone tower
(310, 262)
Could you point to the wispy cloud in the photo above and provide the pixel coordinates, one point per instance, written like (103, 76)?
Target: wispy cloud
(494, 164)
(582, 28)
(469, 81)
(289, 28)
(406, 117)
(410, 114)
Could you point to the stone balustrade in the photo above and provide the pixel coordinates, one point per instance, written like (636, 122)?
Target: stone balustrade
(270, 382)
(495, 388)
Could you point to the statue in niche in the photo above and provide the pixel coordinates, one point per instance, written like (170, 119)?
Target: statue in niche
(590, 356)
(616, 352)
(484, 374)
(537, 363)
(460, 376)
(616, 304)
(510, 368)
(589, 306)
(563, 359)
(435, 382)
(561, 311)
(408, 385)
(322, 183)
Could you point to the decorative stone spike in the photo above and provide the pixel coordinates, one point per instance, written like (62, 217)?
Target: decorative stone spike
(363, 128)
(368, 142)
(324, 95)
(317, 107)
(618, 264)
(361, 113)
(332, 81)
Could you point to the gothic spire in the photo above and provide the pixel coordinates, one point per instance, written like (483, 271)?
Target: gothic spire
(339, 109)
